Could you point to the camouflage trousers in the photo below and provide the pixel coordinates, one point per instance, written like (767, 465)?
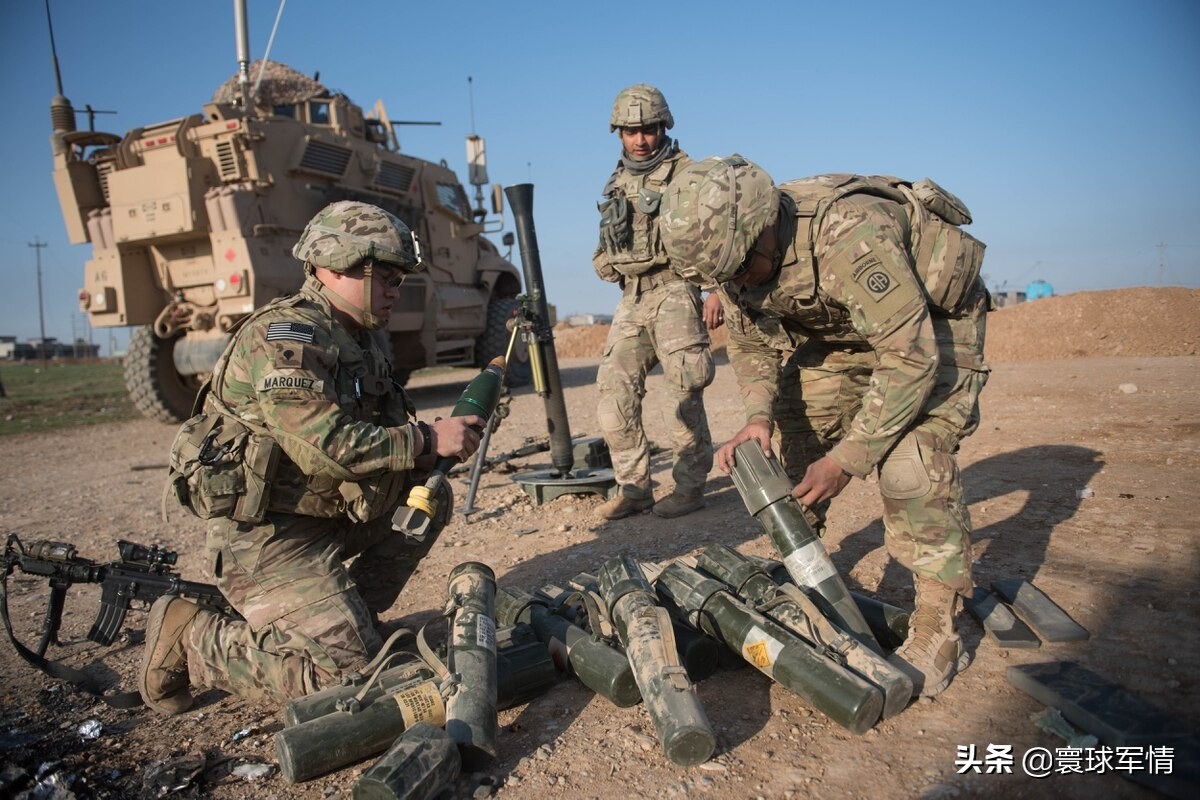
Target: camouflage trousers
(308, 618)
(662, 325)
(927, 527)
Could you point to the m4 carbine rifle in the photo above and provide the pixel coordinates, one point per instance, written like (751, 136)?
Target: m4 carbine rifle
(142, 573)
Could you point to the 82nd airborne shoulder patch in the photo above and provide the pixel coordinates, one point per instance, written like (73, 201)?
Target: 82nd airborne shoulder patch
(870, 273)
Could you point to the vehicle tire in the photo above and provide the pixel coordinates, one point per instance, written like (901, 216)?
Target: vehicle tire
(494, 342)
(157, 390)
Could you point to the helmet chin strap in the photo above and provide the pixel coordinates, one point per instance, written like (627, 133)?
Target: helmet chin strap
(364, 316)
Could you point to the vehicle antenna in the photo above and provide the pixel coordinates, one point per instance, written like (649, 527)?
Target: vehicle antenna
(470, 101)
(53, 51)
(267, 55)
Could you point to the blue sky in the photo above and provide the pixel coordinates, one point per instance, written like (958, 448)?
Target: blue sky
(1071, 129)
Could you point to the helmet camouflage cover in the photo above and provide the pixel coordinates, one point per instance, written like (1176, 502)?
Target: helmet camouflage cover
(346, 233)
(713, 212)
(640, 105)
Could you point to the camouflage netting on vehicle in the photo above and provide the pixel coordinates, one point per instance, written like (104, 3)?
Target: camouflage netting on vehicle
(281, 85)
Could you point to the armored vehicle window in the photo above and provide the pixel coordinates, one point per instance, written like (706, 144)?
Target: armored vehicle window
(452, 197)
(285, 111)
(318, 112)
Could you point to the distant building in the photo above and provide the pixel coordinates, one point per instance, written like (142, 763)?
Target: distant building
(12, 350)
(1007, 298)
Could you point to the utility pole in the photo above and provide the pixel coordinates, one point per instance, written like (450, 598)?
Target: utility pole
(1162, 252)
(37, 246)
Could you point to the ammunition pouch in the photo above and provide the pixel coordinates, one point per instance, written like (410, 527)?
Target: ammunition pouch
(648, 201)
(371, 498)
(219, 467)
(616, 230)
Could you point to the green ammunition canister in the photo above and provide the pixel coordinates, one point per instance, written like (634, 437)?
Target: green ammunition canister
(796, 612)
(329, 742)
(421, 764)
(326, 701)
(767, 492)
(524, 669)
(471, 660)
(645, 631)
(599, 666)
(774, 650)
(888, 623)
(700, 654)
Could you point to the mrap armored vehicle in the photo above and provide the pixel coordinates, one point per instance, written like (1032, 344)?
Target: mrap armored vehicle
(192, 223)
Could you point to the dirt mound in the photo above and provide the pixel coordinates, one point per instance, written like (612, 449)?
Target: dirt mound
(1121, 322)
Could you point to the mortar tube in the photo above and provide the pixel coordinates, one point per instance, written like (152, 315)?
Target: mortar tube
(562, 455)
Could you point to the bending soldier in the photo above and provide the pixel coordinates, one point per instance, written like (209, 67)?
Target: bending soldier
(873, 290)
(658, 319)
(318, 447)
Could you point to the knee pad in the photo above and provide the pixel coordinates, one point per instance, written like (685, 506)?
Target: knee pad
(903, 474)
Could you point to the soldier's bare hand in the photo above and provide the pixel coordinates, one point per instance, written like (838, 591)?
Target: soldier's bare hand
(714, 315)
(457, 437)
(757, 429)
(824, 479)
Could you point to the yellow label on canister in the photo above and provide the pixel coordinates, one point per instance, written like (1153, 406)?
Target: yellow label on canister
(421, 703)
(761, 649)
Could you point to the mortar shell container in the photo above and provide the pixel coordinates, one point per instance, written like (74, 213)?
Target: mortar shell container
(767, 492)
(754, 586)
(645, 631)
(888, 623)
(420, 765)
(773, 650)
(471, 659)
(598, 666)
(329, 742)
(326, 701)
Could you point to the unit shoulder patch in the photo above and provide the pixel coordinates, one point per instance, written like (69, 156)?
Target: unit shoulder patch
(870, 273)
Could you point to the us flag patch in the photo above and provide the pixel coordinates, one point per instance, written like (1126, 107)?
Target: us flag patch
(294, 331)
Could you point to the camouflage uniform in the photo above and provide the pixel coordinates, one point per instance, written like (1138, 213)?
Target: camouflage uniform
(874, 378)
(327, 395)
(657, 321)
(319, 398)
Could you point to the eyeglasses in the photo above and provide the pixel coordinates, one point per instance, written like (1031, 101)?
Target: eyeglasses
(391, 277)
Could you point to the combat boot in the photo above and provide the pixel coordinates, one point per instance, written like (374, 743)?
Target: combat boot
(933, 652)
(163, 681)
(622, 506)
(677, 504)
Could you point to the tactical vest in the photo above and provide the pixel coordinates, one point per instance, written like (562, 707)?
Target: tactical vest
(629, 217)
(947, 260)
(224, 464)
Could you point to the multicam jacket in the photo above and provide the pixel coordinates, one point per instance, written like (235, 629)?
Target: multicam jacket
(854, 286)
(327, 397)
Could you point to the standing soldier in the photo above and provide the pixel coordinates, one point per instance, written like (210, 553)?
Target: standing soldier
(658, 319)
(873, 289)
(304, 449)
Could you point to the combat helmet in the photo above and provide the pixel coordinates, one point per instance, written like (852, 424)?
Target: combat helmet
(640, 105)
(713, 212)
(346, 233)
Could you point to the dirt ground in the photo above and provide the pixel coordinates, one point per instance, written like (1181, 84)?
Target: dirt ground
(1095, 391)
